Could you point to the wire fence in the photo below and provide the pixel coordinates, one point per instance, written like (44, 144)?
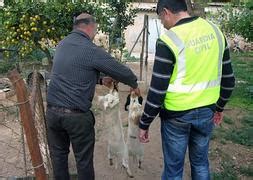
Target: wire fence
(15, 159)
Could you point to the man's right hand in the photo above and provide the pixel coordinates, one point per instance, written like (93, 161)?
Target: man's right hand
(143, 136)
(107, 81)
(136, 91)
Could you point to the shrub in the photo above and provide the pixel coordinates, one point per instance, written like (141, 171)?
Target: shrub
(5, 66)
(236, 20)
(40, 26)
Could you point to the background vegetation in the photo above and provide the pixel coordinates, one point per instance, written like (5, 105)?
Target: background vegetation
(235, 19)
(32, 28)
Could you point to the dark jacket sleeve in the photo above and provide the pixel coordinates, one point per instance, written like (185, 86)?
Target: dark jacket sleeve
(105, 63)
(227, 81)
(162, 70)
(100, 78)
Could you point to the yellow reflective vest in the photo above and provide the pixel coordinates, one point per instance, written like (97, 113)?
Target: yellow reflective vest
(198, 47)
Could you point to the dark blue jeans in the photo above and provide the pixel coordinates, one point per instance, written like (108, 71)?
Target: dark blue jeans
(77, 129)
(193, 129)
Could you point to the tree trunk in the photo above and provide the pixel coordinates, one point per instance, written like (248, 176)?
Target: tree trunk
(189, 7)
(49, 58)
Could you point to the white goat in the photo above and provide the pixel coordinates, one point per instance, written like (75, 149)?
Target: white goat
(135, 148)
(117, 147)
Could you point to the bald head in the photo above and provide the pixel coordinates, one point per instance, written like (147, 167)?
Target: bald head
(83, 20)
(84, 16)
(86, 23)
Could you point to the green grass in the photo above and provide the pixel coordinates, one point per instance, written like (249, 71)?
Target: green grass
(228, 120)
(228, 169)
(243, 70)
(227, 174)
(218, 133)
(240, 132)
(242, 135)
(248, 120)
(248, 171)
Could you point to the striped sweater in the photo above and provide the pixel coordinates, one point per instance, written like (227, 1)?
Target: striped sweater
(162, 70)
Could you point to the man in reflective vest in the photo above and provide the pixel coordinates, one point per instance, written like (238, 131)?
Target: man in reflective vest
(192, 81)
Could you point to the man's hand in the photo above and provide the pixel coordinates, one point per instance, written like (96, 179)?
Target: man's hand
(143, 136)
(136, 91)
(218, 117)
(107, 81)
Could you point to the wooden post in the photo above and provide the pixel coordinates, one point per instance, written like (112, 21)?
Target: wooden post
(28, 123)
(142, 47)
(41, 110)
(136, 41)
(37, 106)
(146, 55)
(33, 97)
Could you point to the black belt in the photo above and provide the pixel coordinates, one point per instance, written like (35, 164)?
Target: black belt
(63, 109)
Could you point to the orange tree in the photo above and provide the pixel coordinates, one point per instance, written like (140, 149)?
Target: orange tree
(27, 27)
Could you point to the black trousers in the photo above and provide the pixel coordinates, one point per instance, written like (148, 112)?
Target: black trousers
(77, 128)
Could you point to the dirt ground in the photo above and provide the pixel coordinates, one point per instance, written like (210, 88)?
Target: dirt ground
(153, 159)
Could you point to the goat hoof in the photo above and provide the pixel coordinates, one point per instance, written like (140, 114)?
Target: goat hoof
(129, 174)
(140, 166)
(110, 162)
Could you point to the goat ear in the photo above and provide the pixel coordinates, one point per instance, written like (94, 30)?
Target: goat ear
(140, 99)
(127, 102)
(116, 85)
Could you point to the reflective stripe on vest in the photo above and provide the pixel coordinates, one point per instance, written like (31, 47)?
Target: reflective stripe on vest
(181, 94)
(178, 86)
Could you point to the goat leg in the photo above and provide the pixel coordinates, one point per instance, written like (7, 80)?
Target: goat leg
(139, 164)
(109, 155)
(128, 171)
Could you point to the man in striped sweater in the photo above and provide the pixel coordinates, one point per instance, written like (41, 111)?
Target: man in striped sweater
(191, 83)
